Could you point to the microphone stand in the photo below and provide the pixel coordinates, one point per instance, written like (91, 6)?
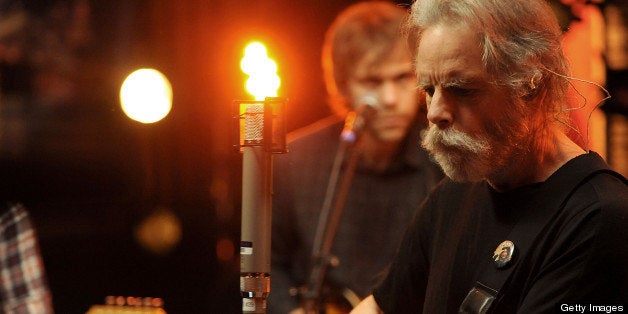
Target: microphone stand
(335, 198)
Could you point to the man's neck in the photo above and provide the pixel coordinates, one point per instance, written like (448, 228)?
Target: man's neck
(378, 155)
(538, 164)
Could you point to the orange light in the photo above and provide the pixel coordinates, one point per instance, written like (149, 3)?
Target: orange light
(263, 80)
(225, 249)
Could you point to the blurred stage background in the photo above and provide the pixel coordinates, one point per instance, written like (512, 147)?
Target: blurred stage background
(131, 209)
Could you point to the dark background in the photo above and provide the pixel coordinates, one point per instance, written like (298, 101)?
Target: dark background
(90, 176)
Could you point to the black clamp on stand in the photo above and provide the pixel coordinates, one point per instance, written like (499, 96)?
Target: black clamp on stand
(336, 195)
(262, 133)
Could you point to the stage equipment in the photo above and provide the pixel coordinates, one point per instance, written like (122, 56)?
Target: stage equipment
(262, 133)
(336, 195)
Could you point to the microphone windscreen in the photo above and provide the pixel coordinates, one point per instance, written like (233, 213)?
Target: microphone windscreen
(254, 123)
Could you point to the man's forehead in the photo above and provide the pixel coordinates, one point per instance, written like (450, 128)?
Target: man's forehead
(449, 52)
(384, 68)
(394, 59)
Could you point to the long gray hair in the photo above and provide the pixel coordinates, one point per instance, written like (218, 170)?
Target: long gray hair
(520, 40)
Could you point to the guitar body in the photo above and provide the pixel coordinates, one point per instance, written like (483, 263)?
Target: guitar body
(337, 301)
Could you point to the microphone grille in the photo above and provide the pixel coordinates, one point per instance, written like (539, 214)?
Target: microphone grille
(254, 123)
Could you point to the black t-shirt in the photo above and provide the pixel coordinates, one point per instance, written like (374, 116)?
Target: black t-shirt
(580, 256)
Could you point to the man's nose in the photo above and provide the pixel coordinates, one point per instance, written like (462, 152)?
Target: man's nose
(439, 110)
(388, 93)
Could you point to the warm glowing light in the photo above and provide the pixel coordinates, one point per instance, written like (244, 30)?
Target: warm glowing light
(146, 96)
(263, 80)
(225, 249)
(160, 232)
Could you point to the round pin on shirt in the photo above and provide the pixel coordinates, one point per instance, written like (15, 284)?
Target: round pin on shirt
(503, 254)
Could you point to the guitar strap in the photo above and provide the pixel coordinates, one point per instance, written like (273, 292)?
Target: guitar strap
(523, 234)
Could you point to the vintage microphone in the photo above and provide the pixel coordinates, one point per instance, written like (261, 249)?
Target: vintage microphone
(336, 195)
(262, 134)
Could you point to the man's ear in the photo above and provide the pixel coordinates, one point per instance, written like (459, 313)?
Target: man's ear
(533, 87)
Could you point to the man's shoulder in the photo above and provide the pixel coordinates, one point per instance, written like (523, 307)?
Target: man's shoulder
(314, 144)
(318, 138)
(601, 183)
(611, 192)
(601, 200)
(324, 129)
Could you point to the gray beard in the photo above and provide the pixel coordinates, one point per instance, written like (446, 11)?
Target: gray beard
(461, 156)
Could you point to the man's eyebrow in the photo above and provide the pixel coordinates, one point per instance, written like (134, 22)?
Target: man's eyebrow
(454, 81)
(423, 83)
(459, 81)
